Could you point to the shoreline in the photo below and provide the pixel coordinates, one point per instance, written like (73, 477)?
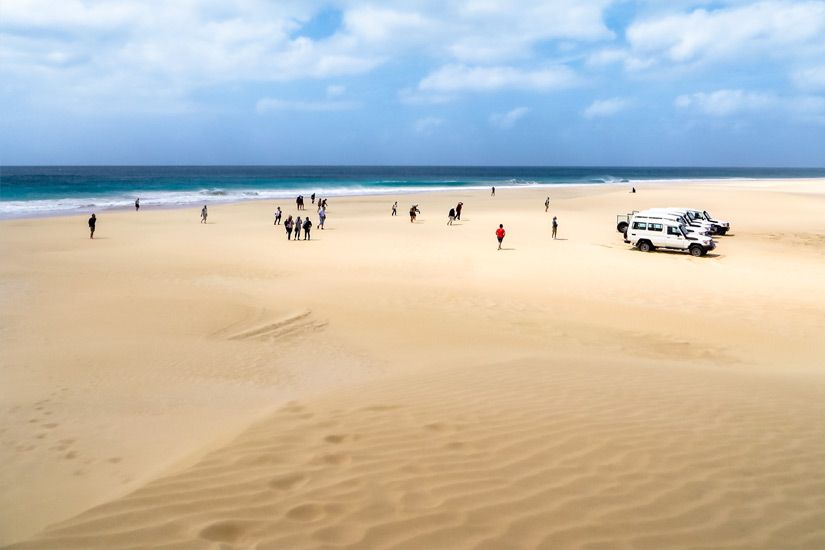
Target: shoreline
(212, 200)
(415, 367)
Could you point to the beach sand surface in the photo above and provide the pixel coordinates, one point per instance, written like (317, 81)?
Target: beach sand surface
(171, 384)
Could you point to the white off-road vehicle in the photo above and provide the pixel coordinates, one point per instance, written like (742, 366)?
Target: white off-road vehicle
(681, 215)
(647, 233)
(720, 227)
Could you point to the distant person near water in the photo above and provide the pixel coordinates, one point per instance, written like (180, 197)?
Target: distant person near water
(493, 194)
(92, 222)
(137, 204)
(277, 216)
(413, 211)
(307, 227)
(451, 216)
(203, 214)
(500, 234)
(298, 222)
(322, 217)
(555, 226)
(458, 208)
(313, 198)
(395, 208)
(633, 190)
(547, 204)
(288, 224)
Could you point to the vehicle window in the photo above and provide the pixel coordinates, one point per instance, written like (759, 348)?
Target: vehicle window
(673, 231)
(639, 225)
(655, 227)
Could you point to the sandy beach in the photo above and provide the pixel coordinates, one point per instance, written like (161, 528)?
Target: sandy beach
(172, 384)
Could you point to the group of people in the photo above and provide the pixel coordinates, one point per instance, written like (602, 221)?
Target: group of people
(299, 201)
(298, 224)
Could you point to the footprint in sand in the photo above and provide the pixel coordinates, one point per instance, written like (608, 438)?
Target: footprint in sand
(226, 531)
(289, 482)
(306, 513)
(337, 439)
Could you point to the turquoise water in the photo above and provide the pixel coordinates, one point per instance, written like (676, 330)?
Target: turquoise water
(28, 191)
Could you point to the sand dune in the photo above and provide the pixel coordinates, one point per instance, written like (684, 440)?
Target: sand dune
(397, 385)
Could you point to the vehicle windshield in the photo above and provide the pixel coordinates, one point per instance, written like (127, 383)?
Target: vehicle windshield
(707, 216)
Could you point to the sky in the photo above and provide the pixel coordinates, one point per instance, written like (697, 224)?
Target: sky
(469, 82)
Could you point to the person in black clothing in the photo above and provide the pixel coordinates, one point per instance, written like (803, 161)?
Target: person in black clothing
(92, 222)
(288, 226)
(313, 198)
(307, 227)
(451, 216)
(137, 204)
(458, 208)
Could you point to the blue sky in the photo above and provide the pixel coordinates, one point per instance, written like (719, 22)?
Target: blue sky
(472, 82)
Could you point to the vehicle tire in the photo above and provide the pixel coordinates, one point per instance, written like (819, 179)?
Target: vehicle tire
(622, 227)
(696, 250)
(722, 231)
(645, 246)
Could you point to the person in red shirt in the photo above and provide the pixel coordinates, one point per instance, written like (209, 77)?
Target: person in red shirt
(500, 234)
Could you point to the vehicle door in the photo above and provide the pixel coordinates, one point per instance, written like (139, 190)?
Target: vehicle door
(657, 234)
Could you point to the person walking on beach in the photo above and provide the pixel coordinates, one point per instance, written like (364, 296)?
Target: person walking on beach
(493, 194)
(451, 216)
(555, 226)
(313, 198)
(395, 208)
(288, 226)
(307, 227)
(322, 217)
(203, 214)
(458, 208)
(500, 234)
(137, 204)
(92, 222)
(413, 211)
(298, 223)
(547, 204)
(277, 216)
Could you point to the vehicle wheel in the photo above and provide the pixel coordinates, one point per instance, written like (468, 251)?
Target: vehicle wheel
(722, 231)
(696, 250)
(622, 227)
(645, 246)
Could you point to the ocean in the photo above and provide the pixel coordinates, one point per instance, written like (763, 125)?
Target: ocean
(39, 191)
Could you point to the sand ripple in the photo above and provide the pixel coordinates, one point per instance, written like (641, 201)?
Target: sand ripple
(529, 454)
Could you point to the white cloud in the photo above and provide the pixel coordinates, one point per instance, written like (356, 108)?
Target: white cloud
(508, 119)
(750, 31)
(811, 78)
(723, 103)
(456, 78)
(427, 125)
(606, 107)
(271, 105)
